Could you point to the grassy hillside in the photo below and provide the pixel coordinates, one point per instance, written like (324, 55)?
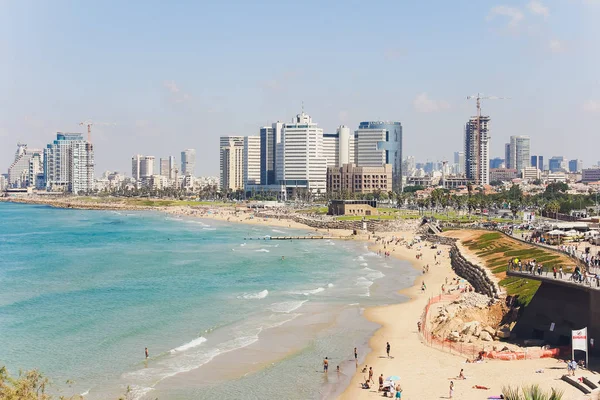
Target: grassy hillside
(497, 249)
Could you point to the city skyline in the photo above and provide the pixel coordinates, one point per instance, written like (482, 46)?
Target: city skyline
(158, 97)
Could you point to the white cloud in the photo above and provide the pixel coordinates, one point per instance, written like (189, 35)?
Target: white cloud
(424, 104)
(514, 14)
(556, 46)
(177, 96)
(592, 106)
(536, 7)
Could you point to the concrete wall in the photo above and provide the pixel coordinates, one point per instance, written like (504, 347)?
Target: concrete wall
(570, 308)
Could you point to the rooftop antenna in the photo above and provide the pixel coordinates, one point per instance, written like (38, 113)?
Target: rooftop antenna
(302, 106)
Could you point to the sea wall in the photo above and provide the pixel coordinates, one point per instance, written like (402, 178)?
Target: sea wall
(476, 275)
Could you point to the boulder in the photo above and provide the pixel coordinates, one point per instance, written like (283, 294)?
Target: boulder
(454, 336)
(469, 327)
(489, 330)
(503, 333)
(485, 336)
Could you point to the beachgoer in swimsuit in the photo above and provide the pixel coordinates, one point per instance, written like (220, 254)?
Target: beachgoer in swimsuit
(451, 389)
(371, 374)
(146, 351)
(325, 365)
(388, 348)
(355, 355)
(398, 391)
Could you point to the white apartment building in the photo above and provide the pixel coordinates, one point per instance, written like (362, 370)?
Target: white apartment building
(477, 155)
(251, 160)
(338, 148)
(142, 168)
(27, 167)
(531, 173)
(167, 167)
(188, 162)
(231, 161)
(302, 164)
(69, 164)
(367, 149)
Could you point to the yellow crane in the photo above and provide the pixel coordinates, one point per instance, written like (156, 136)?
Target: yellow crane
(478, 97)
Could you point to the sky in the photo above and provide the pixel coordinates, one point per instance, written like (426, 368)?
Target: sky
(158, 77)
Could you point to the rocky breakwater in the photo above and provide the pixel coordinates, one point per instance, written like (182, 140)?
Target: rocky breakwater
(479, 277)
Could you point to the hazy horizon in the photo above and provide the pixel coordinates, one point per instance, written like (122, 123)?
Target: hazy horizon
(171, 76)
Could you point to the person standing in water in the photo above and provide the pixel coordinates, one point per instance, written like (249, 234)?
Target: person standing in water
(146, 351)
(325, 365)
(356, 356)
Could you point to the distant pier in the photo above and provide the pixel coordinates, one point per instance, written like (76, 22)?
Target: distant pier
(290, 238)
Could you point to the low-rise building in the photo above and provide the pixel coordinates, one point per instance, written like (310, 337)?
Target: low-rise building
(352, 179)
(502, 174)
(353, 207)
(590, 175)
(531, 173)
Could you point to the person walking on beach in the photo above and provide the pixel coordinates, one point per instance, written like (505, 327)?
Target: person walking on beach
(325, 365)
(371, 375)
(451, 389)
(388, 348)
(356, 356)
(146, 351)
(398, 391)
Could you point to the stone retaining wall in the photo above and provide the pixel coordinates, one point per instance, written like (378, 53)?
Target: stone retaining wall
(372, 225)
(475, 274)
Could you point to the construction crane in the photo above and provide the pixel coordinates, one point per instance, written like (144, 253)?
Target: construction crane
(477, 146)
(89, 124)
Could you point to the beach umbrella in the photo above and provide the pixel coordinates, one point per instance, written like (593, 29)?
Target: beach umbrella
(393, 378)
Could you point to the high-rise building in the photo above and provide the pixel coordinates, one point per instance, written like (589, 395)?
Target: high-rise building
(519, 152)
(477, 151)
(409, 166)
(231, 161)
(270, 138)
(338, 148)
(496, 163)
(378, 143)
(167, 167)
(459, 162)
(251, 160)
(301, 163)
(26, 167)
(69, 164)
(142, 167)
(188, 162)
(575, 166)
(535, 162)
(507, 156)
(557, 164)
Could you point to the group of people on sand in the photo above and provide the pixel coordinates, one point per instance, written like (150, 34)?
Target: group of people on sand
(388, 387)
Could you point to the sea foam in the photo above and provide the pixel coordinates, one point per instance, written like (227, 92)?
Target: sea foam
(286, 306)
(253, 296)
(189, 345)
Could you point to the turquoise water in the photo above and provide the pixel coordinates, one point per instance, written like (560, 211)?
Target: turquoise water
(82, 293)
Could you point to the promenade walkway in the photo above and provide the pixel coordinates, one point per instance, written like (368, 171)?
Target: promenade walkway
(587, 281)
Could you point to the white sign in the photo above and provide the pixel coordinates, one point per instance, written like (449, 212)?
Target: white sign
(580, 339)
(528, 216)
(552, 325)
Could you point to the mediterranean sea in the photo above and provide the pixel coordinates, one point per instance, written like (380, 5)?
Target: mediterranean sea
(83, 292)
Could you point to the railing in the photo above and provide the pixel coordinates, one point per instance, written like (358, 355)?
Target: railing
(588, 280)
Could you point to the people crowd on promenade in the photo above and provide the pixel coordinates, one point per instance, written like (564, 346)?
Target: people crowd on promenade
(579, 275)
